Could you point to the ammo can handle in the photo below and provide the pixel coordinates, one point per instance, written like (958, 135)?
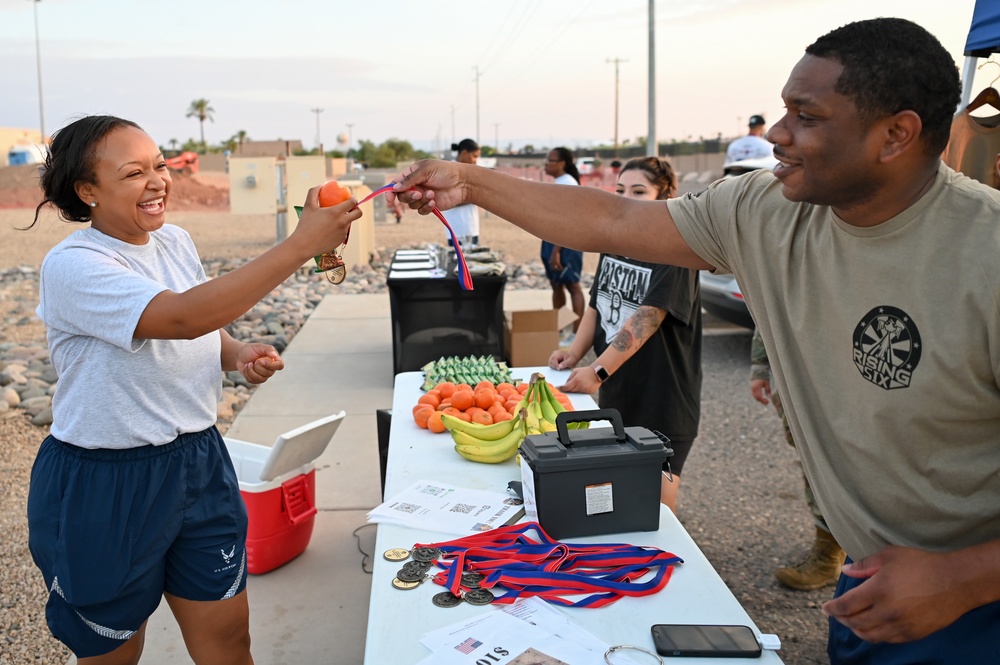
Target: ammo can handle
(567, 417)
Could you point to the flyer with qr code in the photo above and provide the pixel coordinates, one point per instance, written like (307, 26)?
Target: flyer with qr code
(434, 506)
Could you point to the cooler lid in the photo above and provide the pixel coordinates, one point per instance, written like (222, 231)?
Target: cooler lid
(300, 446)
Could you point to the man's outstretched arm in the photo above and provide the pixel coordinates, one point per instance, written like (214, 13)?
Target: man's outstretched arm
(583, 218)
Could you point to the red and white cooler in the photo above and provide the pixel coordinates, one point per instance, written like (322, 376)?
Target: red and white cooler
(278, 485)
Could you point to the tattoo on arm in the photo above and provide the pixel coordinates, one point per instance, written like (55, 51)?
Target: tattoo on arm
(639, 328)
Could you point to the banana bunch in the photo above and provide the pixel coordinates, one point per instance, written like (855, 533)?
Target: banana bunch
(488, 444)
(491, 444)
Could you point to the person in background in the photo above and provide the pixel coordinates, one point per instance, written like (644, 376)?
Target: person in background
(133, 497)
(870, 268)
(751, 146)
(464, 219)
(822, 566)
(644, 324)
(564, 266)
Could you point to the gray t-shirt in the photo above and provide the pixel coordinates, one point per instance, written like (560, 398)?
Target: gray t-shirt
(116, 391)
(885, 348)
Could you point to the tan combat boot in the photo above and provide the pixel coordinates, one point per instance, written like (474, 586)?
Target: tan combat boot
(821, 568)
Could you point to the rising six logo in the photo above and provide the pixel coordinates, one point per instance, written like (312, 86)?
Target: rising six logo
(887, 347)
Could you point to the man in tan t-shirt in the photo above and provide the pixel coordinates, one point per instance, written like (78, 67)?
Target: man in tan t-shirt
(871, 269)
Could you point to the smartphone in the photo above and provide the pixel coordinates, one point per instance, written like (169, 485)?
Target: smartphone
(709, 641)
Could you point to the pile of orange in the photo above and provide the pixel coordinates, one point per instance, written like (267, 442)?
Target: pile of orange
(485, 403)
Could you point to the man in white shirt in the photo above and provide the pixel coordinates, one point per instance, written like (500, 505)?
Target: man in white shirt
(751, 146)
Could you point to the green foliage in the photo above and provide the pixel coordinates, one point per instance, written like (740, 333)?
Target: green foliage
(202, 110)
(387, 154)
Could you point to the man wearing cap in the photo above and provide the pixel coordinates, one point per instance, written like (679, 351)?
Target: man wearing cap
(751, 146)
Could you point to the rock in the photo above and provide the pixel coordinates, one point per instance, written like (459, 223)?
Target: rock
(10, 397)
(43, 417)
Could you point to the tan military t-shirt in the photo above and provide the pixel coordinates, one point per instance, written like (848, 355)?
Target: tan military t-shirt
(885, 346)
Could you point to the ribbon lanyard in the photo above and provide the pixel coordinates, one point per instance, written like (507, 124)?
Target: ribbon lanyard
(464, 276)
(521, 566)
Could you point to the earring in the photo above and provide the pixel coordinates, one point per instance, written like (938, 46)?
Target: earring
(93, 204)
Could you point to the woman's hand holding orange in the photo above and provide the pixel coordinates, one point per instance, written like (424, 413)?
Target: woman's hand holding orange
(323, 229)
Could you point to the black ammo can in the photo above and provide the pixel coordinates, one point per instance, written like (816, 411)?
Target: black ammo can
(587, 482)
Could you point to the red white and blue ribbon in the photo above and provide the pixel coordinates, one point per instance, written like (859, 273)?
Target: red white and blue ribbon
(464, 276)
(522, 566)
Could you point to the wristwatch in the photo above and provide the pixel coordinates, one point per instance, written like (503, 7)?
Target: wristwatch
(602, 374)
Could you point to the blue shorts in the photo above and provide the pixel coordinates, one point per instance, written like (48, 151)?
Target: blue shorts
(572, 262)
(973, 638)
(111, 530)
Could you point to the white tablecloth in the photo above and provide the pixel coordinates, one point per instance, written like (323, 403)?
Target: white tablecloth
(396, 619)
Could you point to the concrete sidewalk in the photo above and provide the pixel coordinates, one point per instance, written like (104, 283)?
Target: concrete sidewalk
(315, 608)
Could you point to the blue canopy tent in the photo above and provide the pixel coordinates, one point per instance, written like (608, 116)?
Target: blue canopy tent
(983, 41)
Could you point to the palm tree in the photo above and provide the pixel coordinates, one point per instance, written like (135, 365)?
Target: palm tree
(173, 144)
(240, 137)
(200, 109)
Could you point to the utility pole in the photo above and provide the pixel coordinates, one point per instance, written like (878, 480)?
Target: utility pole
(38, 59)
(476, 69)
(350, 139)
(319, 141)
(453, 124)
(652, 150)
(616, 61)
(496, 138)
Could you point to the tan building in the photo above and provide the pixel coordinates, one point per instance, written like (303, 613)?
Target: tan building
(267, 148)
(11, 137)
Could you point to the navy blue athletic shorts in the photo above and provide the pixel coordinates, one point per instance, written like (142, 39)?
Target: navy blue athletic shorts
(973, 638)
(572, 262)
(111, 530)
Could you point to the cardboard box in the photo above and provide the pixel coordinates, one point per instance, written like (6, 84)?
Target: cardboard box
(530, 336)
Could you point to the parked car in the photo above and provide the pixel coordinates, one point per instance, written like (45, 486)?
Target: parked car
(721, 297)
(720, 294)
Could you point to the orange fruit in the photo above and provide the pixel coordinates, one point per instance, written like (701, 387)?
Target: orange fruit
(502, 416)
(495, 409)
(422, 416)
(463, 399)
(483, 418)
(501, 387)
(465, 416)
(473, 410)
(332, 193)
(507, 393)
(451, 411)
(522, 388)
(433, 400)
(485, 397)
(484, 384)
(434, 423)
(463, 386)
(446, 388)
(510, 404)
(421, 407)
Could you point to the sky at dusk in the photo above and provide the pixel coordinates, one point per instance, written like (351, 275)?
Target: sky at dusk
(408, 70)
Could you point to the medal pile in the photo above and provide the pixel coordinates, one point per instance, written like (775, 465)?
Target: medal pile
(476, 569)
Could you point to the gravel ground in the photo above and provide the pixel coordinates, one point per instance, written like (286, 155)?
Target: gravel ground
(741, 500)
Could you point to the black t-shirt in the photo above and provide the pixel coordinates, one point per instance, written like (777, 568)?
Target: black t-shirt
(660, 386)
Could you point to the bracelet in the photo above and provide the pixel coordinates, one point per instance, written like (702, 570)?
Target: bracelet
(621, 647)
